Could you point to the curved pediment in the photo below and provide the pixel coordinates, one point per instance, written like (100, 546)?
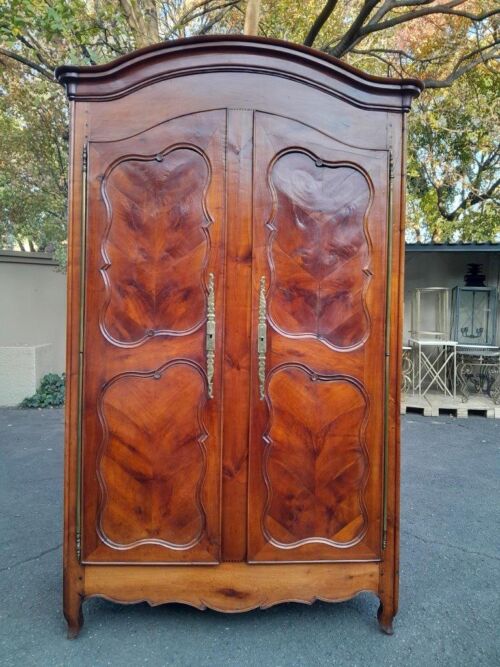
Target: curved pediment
(236, 54)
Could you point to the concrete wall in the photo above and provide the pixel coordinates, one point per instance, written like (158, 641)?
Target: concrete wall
(32, 323)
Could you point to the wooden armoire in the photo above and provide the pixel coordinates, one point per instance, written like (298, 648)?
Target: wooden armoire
(234, 328)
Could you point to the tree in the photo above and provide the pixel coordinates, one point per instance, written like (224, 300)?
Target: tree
(452, 45)
(453, 169)
(33, 162)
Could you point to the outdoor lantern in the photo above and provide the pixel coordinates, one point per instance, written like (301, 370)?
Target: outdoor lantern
(474, 315)
(430, 313)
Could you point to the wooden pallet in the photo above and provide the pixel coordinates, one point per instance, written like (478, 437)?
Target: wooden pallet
(433, 405)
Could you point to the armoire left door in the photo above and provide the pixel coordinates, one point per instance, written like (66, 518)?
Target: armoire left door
(150, 344)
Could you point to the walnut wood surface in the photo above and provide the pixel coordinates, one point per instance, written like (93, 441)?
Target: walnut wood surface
(316, 462)
(151, 439)
(238, 348)
(155, 245)
(241, 158)
(155, 450)
(321, 243)
(318, 249)
(232, 587)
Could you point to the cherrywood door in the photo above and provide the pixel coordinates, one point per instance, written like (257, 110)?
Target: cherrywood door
(154, 275)
(319, 298)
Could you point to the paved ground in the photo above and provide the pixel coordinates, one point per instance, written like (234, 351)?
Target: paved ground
(449, 612)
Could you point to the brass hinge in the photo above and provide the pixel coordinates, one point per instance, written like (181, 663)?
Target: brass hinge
(262, 338)
(78, 546)
(385, 470)
(83, 238)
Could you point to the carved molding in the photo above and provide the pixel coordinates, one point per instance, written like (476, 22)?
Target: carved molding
(329, 232)
(202, 604)
(323, 496)
(247, 54)
(135, 463)
(147, 303)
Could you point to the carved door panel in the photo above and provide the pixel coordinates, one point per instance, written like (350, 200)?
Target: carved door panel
(154, 288)
(319, 291)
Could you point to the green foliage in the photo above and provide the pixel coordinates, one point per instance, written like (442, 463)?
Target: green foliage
(454, 161)
(49, 394)
(33, 162)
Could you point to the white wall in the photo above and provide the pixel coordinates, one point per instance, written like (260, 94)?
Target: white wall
(32, 323)
(446, 269)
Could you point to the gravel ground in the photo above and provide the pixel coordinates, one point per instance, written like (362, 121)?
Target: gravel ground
(449, 605)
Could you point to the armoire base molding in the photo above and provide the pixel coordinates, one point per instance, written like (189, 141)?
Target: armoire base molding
(213, 587)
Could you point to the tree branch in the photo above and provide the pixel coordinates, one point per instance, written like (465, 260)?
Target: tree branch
(36, 48)
(419, 13)
(472, 199)
(389, 5)
(320, 21)
(204, 7)
(466, 63)
(351, 35)
(359, 30)
(373, 53)
(48, 74)
(398, 52)
(469, 63)
(218, 17)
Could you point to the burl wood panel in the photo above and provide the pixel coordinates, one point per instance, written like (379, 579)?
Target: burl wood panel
(155, 246)
(315, 465)
(154, 448)
(151, 463)
(319, 250)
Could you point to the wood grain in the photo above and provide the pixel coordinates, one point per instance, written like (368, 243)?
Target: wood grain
(237, 348)
(316, 462)
(319, 249)
(153, 447)
(155, 245)
(232, 587)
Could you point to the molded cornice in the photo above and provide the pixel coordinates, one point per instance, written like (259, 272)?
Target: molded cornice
(236, 53)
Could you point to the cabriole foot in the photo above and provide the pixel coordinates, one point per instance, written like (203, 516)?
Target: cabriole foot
(385, 620)
(74, 615)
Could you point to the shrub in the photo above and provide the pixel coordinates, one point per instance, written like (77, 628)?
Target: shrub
(49, 394)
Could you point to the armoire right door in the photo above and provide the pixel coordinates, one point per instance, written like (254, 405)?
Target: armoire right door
(319, 275)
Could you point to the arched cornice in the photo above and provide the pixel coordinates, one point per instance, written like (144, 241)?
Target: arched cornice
(236, 53)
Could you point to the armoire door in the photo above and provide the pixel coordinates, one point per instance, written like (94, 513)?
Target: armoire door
(320, 248)
(151, 344)
(185, 320)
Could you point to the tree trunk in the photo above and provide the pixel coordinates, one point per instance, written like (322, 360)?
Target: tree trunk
(151, 21)
(252, 18)
(143, 21)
